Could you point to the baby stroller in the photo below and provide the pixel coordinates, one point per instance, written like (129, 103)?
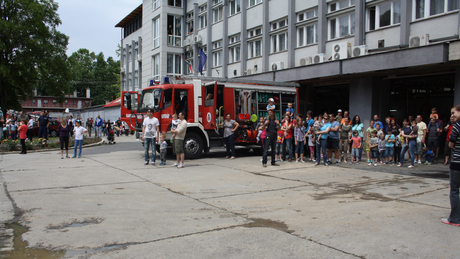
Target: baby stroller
(111, 136)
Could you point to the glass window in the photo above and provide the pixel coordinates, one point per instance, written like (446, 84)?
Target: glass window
(452, 5)
(436, 7)
(301, 35)
(173, 64)
(344, 26)
(156, 32)
(311, 14)
(156, 4)
(385, 14)
(218, 14)
(419, 9)
(176, 3)
(234, 54)
(333, 24)
(279, 42)
(311, 34)
(344, 4)
(396, 12)
(156, 67)
(235, 6)
(216, 58)
(174, 31)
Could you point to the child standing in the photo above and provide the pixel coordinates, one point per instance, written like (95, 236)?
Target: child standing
(382, 148)
(78, 131)
(259, 128)
(299, 137)
(163, 146)
(374, 147)
(279, 144)
(23, 135)
(390, 147)
(368, 138)
(379, 130)
(356, 140)
(311, 145)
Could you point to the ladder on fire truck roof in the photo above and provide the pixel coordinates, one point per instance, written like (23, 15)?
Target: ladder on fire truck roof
(238, 80)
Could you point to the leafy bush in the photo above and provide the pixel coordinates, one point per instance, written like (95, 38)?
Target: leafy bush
(52, 145)
(10, 144)
(29, 144)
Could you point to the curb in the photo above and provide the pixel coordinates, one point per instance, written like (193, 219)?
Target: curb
(54, 149)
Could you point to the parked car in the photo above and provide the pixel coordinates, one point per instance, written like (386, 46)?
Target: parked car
(52, 130)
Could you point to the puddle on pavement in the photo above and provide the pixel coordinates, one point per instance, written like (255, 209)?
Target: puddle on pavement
(20, 247)
(267, 223)
(21, 251)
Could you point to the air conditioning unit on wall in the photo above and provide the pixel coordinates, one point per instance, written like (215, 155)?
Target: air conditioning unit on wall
(319, 58)
(139, 57)
(277, 66)
(420, 40)
(197, 39)
(305, 61)
(358, 51)
(341, 50)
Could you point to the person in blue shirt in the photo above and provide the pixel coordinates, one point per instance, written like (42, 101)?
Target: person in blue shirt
(390, 140)
(377, 121)
(290, 109)
(321, 147)
(271, 105)
(333, 139)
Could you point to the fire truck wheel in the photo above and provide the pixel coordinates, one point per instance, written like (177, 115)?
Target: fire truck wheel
(193, 145)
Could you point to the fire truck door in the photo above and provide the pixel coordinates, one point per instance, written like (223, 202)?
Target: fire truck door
(166, 110)
(209, 107)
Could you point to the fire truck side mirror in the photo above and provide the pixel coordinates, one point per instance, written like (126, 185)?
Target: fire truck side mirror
(127, 97)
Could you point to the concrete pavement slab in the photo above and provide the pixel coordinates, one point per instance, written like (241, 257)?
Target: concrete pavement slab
(239, 242)
(213, 181)
(365, 225)
(101, 215)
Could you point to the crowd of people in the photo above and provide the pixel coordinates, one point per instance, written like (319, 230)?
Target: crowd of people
(338, 138)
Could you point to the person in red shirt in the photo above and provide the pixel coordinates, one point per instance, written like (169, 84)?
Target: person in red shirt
(447, 149)
(23, 135)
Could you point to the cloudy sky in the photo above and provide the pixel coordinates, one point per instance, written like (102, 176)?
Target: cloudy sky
(91, 24)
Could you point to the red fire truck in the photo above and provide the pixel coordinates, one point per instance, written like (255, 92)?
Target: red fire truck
(205, 101)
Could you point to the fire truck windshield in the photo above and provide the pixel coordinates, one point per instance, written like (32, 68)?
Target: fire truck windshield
(151, 99)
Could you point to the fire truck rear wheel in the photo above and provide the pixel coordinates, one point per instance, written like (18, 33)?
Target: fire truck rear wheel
(193, 145)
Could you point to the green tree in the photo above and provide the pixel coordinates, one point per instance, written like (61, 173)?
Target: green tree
(32, 51)
(90, 70)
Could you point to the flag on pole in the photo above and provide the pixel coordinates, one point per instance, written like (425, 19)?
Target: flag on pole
(190, 68)
(202, 61)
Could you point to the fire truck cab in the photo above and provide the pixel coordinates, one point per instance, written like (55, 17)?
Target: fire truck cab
(205, 102)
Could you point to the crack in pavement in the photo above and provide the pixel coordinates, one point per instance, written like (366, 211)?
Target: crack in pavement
(74, 186)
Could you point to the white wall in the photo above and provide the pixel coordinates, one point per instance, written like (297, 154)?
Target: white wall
(391, 36)
(305, 52)
(437, 27)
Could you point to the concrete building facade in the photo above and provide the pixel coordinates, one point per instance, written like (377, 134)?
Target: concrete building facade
(383, 57)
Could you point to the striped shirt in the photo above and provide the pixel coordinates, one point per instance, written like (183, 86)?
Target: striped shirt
(455, 138)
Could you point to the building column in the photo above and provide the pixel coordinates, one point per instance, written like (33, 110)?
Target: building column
(133, 65)
(369, 96)
(457, 87)
(359, 22)
(244, 37)
(322, 26)
(127, 67)
(406, 16)
(292, 35)
(265, 37)
(209, 39)
(196, 49)
(122, 63)
(140, 63)
(225, 13)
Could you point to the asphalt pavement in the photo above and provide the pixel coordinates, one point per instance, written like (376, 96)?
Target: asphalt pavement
(108, 204)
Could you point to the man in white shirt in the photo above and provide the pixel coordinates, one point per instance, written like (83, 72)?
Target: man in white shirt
(421, 135)
(150, 133)
(180, 132)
